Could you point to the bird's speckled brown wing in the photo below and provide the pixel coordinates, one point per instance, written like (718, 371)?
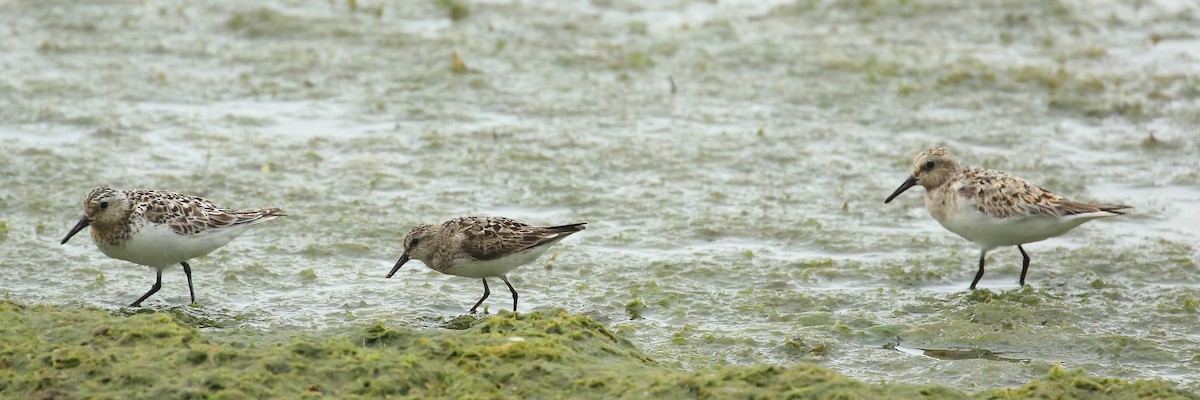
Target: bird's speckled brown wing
(188, 215)
(1002, 195)
(489, 238)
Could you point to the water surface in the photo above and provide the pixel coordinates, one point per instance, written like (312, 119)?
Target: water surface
(735, 215)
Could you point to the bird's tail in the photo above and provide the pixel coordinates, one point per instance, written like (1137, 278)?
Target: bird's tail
(570, 228)
(258, 216)
(1113, 208)
(1078, 209)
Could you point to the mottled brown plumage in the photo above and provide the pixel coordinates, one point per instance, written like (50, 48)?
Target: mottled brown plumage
(159, 229)
(184, 214)
(480, 247)
(992, 208)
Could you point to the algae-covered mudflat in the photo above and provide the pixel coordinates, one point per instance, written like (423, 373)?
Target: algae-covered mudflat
(730, 158)
(55, 353)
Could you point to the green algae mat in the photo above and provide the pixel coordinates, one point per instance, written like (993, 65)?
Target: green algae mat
(51, 352)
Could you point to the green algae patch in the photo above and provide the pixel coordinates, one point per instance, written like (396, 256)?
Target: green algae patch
(1063, 384)
(455, 9)
(51, 352)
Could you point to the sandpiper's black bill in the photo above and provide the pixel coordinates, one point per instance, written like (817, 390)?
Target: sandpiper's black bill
(403, 259)
(83, 223)
(912, 181)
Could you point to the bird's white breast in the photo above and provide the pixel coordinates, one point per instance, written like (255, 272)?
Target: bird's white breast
(158, 246)
(473, 268)
(961, 216)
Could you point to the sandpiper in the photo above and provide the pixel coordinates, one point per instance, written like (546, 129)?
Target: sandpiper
(159, 229)
(994, 209)
(480, 247)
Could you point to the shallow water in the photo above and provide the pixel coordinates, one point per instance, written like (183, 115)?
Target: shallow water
(739, 217)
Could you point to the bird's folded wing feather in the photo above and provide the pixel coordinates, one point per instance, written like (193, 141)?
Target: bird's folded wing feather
(1001, 195)
(188, 215)
(489, 238)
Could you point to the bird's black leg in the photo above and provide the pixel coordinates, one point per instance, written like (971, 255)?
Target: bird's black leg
(979, 275)
(153, 289)
(187, 270)
(486, 292)
(511, 289)
(1024, 264)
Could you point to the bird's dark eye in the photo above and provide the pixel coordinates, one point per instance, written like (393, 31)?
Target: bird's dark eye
(104, 204)
(414, 242)
(929, 165)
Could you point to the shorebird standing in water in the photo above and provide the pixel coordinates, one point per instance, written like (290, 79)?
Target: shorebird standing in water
(159, 229)
(480, 247)
(994, 209)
